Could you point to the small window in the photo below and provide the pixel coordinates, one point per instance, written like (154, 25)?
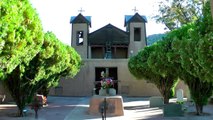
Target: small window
(137, 34)
(80, 38)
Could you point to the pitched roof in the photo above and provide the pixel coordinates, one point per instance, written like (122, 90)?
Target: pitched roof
(81, 19)
(134, 18)
(109, 34)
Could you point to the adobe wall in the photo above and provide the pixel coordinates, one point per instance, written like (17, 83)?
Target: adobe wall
(83, 83)
(4, 91)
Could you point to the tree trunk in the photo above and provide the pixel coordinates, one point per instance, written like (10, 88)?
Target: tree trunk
(20, 112)
(19, 94)
(20, 106)
(166, 87)
(200, 92)
(166, 99)
(165, 94)
(199, 109)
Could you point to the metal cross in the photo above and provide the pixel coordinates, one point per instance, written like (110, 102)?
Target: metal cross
(81, 10)
(135, 10)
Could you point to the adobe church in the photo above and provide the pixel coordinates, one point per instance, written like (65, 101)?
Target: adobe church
(107, 49)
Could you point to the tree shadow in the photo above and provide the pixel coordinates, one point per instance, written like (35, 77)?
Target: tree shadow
(136, 107)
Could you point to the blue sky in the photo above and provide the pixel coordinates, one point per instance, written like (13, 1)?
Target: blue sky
(55, 14)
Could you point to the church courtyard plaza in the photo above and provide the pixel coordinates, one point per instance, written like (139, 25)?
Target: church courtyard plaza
(76, 108)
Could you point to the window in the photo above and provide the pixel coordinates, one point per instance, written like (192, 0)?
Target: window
(80, 38)
(137, 34)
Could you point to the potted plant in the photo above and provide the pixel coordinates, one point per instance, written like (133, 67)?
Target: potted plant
(107, 86)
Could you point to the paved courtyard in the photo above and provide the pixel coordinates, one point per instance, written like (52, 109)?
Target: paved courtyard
(75, 108)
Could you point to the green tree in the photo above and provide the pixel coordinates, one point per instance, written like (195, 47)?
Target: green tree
(21, 37)
(67, 65)
(160, 64)
(55, 60)
(181, 58)
(192, 44)
(197, 49)
(200, 89)
(21, 34)
(26, 62)
(175, 13)
(196, 58)
(139, 67)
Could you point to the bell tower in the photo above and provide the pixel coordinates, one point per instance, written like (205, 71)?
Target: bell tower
(136, 27)
(79, 34)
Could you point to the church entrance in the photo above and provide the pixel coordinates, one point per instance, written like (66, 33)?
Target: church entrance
(112, 73)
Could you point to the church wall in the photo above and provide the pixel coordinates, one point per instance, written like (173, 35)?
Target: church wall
(83, 83)
(4, 91)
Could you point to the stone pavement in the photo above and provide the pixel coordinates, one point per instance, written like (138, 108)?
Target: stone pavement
(75, 108)
(137, 108)
(134, 109)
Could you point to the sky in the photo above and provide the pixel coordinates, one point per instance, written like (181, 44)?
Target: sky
(55, 14)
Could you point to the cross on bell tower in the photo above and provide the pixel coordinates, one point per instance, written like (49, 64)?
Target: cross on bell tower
(135, 9)
(81, 10)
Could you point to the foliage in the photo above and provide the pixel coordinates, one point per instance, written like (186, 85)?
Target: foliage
(160, 64)
(21, 34)
(180, 102)
(175, 13)
(28, 59)
(192, 45)
(60, 61)
(197, 59)
(55, 60)
(24, 70)
(185, 52)
(196, 52)
(140, 67)
(182, 58)
(21, 37)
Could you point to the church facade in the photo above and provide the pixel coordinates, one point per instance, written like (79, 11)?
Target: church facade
(107, 49)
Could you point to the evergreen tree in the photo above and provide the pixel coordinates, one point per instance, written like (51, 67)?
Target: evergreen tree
(160, 64)
(21, 37)
(21, 34)
(140, 68)
(192, 46)
(55, 60)
(29, 60)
